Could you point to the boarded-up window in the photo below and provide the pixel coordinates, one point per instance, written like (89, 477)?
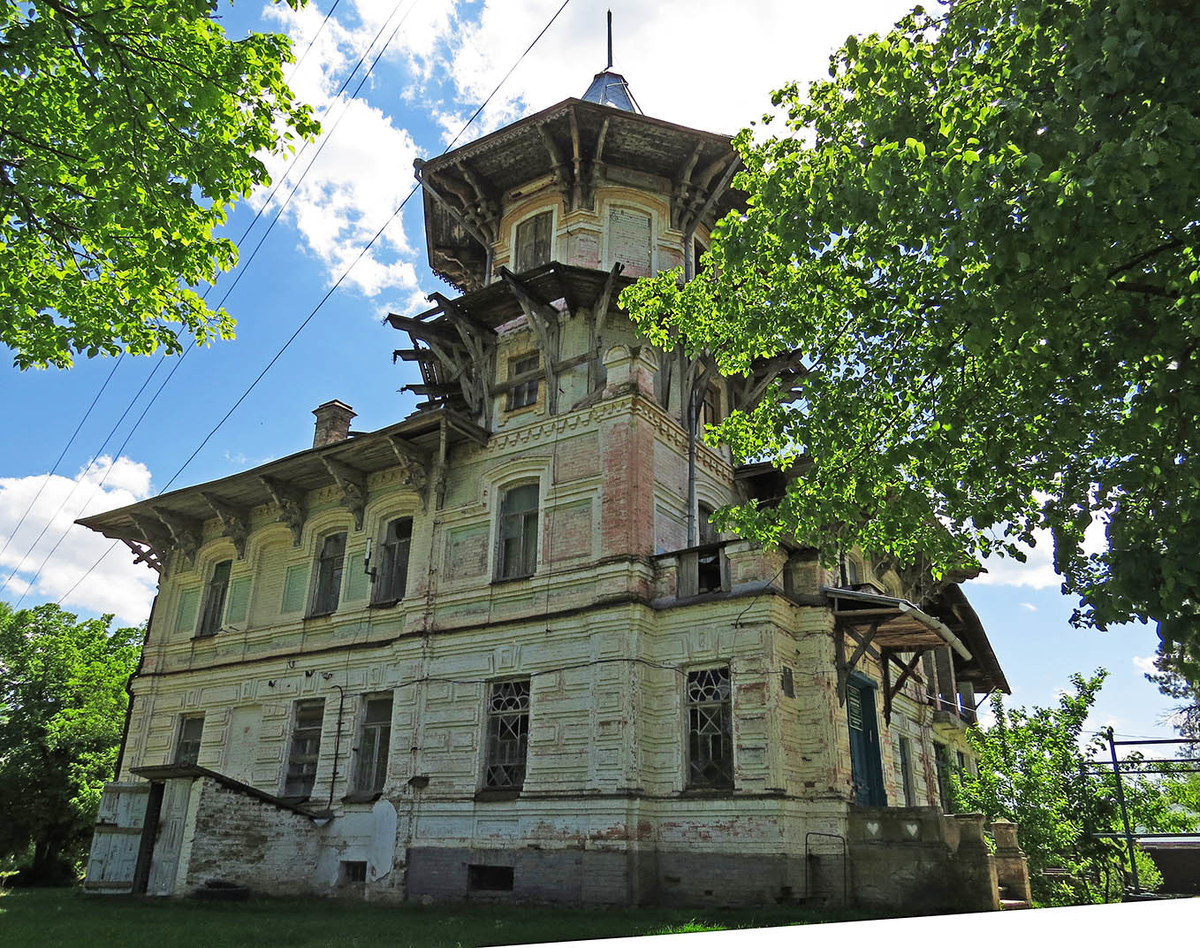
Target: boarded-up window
(294, 583)
(507, 733)
(629, 240)
(533, 242)
(185, 614)
(305, 748)
(710, 728)
(239, 600)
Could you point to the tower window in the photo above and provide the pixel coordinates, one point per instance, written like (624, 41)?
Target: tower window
(533, 242)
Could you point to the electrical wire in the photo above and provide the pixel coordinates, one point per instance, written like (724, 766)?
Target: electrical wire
(341, 279)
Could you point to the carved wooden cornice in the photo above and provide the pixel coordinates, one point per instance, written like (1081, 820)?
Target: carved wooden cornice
(290, 501)
(353, 484)
(235, 521)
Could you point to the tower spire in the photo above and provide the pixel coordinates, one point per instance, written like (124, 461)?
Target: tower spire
(610, 63)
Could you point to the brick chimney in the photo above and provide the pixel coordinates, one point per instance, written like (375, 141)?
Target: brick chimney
(333, 423)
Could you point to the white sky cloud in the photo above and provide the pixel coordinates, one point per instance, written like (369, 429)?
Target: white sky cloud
(1028, 605)
(116, 585)
(447, 57)
(1145, 664)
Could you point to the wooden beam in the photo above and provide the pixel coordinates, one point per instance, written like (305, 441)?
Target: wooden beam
(712, 197)
(577, 159)
(186, 532)
(413, 355)
(415, 464)
(543, 319)
(450, 208)
(473, 432)
(353, 484)
(561, 174)
(422, 330)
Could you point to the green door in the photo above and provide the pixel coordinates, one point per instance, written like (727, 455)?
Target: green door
(866, 767)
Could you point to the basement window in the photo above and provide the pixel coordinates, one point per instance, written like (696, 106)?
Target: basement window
(353, 871)
(489, 878)
(710, 728)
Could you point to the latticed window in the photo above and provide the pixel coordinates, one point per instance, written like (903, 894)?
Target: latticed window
(187, 748)
(525, 393)
(214, 599)
(373, 744)
(392, 576)
(329, 574)
(305, 748)
(518, 532)
(507, 733)
(710, 728)
(533, 242)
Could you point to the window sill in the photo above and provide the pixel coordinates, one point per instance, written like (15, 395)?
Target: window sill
(385, 603)
(362, 796)
(705, 792)
(497, 794)
(319, 615)
(499, 580)
(198, 637)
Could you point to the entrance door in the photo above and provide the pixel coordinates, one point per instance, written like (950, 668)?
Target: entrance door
(866, 767)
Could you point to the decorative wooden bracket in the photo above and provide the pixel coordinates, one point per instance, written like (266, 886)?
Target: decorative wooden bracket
(598, 170)
(235, 520)
(689, 219)
(562, 171)
(543, 320)
(474, 365)
(748, 392)
(683, 186)
(415, 466)
(156, 541)
(844, 666)
(290, 501)
(353, 484)
(186, 533)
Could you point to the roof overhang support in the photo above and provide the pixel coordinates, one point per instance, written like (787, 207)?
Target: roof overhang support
(290, 500)
(543, 320)
(186, 533)
(416, 467)
(235, 521)
(690, 221)
(596, 327)
(145, 553)
(353, 485)
(890, 688)
(478, 341)
(458, 216)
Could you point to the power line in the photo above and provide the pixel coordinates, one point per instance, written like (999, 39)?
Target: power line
(341, 279)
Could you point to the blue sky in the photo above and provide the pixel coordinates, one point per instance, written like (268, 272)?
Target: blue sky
(688, 62)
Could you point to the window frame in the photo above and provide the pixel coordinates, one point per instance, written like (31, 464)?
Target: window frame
(527, 219)
(497, 781)
(528, 564)
(523, 396)
(318, 603)
(386, 595)
(382, 730)
(908, 787)
(710, 405)
(301, 760)
(181, 740)
(625, 204)
(725, 780)
(216, 598)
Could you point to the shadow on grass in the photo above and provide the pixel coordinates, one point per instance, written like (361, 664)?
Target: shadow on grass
(39, 917)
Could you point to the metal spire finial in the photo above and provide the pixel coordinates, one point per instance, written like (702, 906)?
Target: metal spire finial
(610, 64)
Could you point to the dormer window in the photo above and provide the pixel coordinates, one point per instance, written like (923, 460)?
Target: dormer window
(533, 242)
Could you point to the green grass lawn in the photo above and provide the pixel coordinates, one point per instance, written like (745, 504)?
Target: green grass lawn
(41, 917)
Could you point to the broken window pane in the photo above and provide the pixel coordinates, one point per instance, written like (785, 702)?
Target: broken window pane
(710, 728)
(214, 599)
(507, 734)
(518, 532)
(373, 744)
(392, 575)
(187, 749)
(305, 748)
(329, 574)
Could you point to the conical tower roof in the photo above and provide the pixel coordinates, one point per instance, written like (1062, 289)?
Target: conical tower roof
(610, 88)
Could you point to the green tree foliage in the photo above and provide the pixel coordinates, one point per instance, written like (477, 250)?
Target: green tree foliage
(127, 128)
(1033, 769)
(62, 710)
(1173, 683)
(981, 235)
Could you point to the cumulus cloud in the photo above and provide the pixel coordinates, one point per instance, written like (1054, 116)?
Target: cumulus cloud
(115, 585)
(1145, 664)
(442, 60)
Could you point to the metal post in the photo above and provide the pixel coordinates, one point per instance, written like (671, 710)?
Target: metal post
(1112, 749)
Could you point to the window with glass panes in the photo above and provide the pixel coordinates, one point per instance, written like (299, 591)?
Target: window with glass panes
(391, 577)
(373, 743)
(329, 574)
(305, 748)
(710, 728)
(214, 599)
(526, 393)
(507, 734)
(518, 532)
(187, 748)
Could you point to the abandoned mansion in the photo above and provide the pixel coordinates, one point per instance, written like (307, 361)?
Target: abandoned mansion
(496, 650)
